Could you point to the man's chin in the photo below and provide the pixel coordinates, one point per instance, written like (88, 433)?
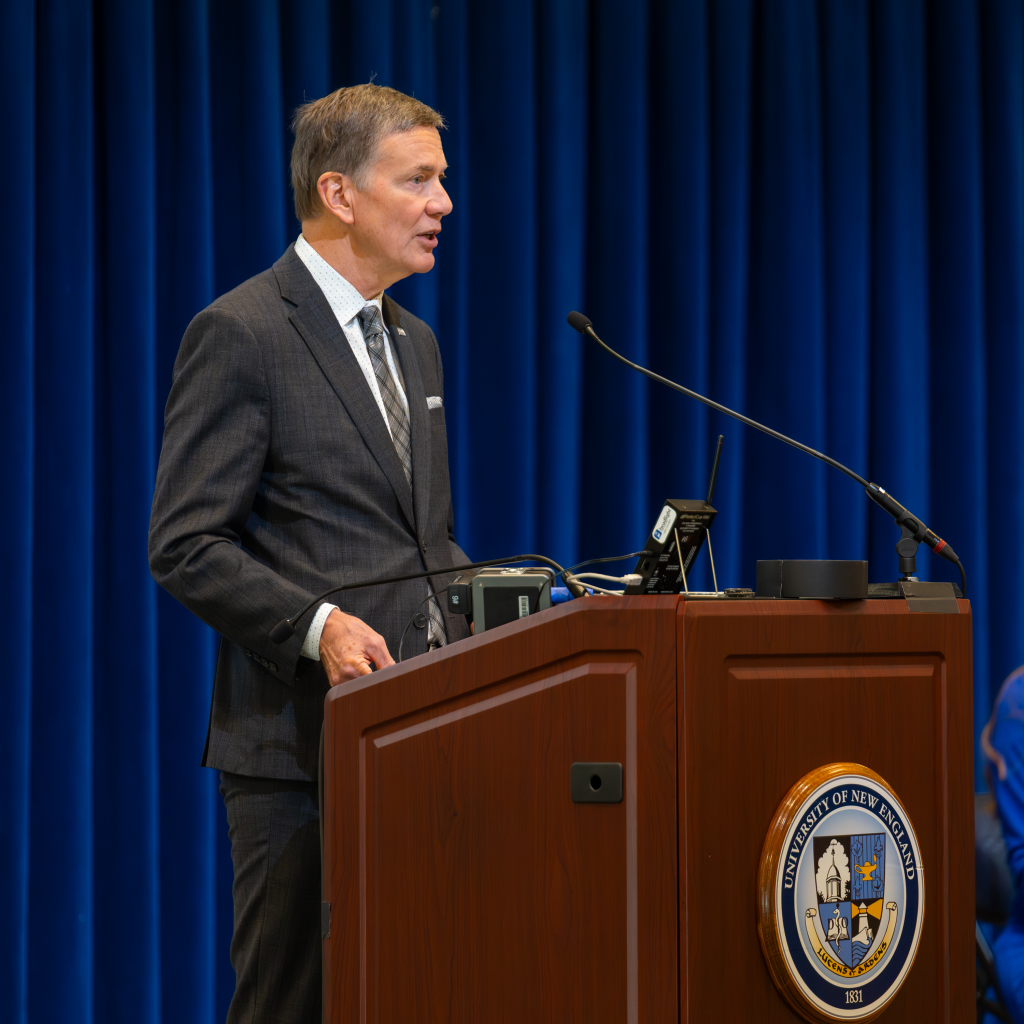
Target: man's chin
(422, 264)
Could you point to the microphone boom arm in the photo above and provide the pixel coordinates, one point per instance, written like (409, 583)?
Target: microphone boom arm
(911, 527)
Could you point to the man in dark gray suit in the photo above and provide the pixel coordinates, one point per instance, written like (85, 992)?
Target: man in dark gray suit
(304, 446)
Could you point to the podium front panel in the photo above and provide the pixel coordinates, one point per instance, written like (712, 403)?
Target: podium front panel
(465, 883)
(769, 691)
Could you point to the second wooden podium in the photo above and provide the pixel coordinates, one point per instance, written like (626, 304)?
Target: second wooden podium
(464, 883)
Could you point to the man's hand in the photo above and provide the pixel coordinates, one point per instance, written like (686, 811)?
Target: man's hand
(348, 645)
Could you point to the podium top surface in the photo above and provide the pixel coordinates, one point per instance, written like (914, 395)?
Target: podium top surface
(601, 612)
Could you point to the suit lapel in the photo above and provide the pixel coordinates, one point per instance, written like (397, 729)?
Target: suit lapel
(316, 322)
(419, 417)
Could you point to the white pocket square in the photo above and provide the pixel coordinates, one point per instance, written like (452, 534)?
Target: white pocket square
(434, 402)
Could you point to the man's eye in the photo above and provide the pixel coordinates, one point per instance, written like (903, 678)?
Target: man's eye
(418, 179)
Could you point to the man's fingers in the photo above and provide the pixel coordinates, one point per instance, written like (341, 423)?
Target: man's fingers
(376, 649)
(349, 648)
(358, 661)
(380, 655)
(343, 670)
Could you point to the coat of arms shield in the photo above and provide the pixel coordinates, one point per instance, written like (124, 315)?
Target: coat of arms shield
(850, 880)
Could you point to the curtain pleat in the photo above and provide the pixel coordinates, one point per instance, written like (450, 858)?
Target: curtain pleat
(195, 911)
(1002, 125)
(846, 198)
(502, 308)
(616, 516)
(61, 895)
(17, 426)
(957, 357)
(125, 786)
(810, 211)
(249, 184)
(900, 394)
(730, 45)
(678, 276)
(561, 212)
(305, 72)
(454, 330)
(785, 337)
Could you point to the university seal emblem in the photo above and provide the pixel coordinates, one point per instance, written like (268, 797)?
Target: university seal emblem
(840, 895)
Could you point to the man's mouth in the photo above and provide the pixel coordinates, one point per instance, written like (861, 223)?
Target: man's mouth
(429, 237)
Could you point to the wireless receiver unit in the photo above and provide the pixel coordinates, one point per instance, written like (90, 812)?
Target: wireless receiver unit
(675, 541)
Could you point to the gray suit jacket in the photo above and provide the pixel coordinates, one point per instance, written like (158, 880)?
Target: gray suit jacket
(278, 479)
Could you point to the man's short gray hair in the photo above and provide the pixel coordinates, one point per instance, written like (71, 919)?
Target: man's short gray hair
(341, 132)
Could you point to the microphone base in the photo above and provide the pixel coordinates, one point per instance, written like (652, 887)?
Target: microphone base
(930, 597)
(890, 591)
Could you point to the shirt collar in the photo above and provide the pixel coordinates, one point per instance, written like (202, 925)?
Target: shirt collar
(345, 301)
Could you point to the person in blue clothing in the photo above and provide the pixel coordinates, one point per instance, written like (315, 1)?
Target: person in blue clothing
(1002, 740)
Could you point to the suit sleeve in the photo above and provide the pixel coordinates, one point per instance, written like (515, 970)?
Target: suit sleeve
(216, 437)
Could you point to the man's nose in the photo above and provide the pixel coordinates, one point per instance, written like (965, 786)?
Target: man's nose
(440, 204)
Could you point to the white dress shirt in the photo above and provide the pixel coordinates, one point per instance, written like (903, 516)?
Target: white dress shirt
(346, 304)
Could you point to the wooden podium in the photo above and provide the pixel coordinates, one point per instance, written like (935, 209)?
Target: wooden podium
(465, 885)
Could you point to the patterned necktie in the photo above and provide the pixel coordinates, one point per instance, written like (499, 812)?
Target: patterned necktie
(398, 420)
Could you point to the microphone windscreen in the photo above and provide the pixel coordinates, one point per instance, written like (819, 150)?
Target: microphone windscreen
(578, 322)
(282, 631)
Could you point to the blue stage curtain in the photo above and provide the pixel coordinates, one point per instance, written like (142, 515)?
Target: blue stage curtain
(812, 211)
(1002, 414)
(18, 97)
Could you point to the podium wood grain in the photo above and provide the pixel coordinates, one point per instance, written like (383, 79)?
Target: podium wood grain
(770, 690)
(467, 886)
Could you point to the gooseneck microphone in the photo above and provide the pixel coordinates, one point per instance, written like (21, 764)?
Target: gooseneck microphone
(913, 529)
(286, 627)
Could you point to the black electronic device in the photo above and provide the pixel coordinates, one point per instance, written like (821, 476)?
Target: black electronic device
(460, 594)
(675, 541)
(498, 594)
(828, 579)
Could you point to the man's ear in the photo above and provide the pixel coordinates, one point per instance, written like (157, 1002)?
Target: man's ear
(336, 193)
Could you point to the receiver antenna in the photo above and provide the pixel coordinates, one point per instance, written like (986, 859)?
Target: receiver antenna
(714, 468)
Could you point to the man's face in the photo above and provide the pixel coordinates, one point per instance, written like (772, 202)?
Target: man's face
(397, 216)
